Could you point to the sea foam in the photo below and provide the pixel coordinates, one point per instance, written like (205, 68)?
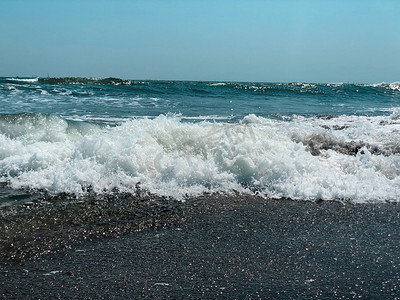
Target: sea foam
(28, 80)
(301, 158)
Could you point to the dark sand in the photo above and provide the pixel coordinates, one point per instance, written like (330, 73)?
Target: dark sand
(211, 247)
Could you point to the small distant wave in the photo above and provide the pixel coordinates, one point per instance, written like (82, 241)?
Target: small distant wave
(29, 80)
(395, 86)
(282, 88)
(395, 113)
(217, 84)
(85, 80)
(304, 88)
(346, 157)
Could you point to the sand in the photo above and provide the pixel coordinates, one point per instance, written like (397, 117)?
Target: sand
(215, 246)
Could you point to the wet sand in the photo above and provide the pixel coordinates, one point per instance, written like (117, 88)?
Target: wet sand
(233, 247)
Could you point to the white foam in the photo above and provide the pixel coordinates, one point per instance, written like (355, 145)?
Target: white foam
(175, 158)
(395, 86)
(217, 84)
(30, 80)
(211, 117)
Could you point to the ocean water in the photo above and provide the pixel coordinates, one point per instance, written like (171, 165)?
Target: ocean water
(181, 139)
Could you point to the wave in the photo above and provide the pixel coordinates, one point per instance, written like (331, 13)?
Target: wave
(334, 90)
(27, 80)
(313, 89)
(395, 86)
(85, 80)
(303, 159)
(217, 84)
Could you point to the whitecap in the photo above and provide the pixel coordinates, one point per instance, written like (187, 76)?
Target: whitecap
(217, 84)
(170, 157)
(29, 80)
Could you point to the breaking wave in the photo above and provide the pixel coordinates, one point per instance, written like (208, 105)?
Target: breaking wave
(352, 158)
(27, 80)
(255, 87)
(85, 80)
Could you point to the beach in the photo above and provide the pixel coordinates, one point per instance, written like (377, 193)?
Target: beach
(213, 246)
(132, 189)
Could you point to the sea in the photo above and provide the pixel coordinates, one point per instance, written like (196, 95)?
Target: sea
(180, 139)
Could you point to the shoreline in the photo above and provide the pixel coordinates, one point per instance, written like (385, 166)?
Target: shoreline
(207, 247)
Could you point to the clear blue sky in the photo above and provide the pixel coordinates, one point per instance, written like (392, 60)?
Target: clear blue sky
(309, 41)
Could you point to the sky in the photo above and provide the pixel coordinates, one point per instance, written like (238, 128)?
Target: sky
(268, 41)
